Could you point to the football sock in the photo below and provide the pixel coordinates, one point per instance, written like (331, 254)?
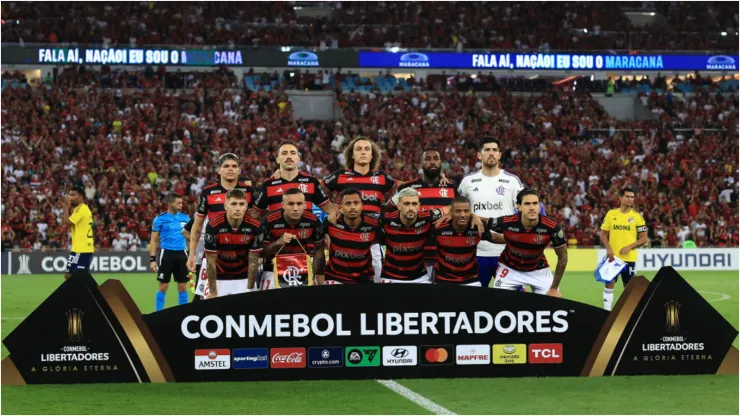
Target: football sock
(608, 298)
(183, 297)
(160, 300)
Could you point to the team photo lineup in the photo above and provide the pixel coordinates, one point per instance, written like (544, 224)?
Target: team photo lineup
(488, 232)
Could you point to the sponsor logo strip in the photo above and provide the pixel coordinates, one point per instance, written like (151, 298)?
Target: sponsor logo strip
(545, 353)
(509, 353)
(251, 358)
(362, 356)
(288, 357)
(473, 354)
(405, 355)
(325, 357)
(213, 359)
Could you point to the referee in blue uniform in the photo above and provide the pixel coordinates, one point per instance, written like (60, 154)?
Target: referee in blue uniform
(167, 233)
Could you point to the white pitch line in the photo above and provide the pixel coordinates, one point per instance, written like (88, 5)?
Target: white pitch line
(15, 318)
(416, 398)
(722, 296)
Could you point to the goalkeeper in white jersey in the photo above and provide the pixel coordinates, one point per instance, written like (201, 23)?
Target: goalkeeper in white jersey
(492, 193)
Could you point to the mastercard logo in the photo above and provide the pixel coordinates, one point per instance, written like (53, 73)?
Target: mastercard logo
(437, 355)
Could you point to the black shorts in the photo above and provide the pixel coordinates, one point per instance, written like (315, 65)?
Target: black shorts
(173, 264)
(628, 273)
(78, 261)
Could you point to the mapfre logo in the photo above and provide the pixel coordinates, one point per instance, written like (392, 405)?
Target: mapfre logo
(288, 358)
(473, 354)
(545, 353)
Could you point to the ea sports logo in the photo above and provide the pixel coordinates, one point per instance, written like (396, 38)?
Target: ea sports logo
(292, 275)
(355, 356)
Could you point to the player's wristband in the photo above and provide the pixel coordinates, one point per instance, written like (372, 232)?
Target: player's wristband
(152, 258)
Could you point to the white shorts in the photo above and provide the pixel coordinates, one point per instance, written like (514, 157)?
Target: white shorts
(231, 287)
(511, 279)
(377, 253)
(426, 279)
(430, 267)
(201, 283)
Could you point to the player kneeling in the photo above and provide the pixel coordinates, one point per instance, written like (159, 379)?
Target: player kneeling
(526, 235)
(228, 238)
(292, 236)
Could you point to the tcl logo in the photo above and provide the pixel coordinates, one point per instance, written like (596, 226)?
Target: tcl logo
(288, 358)
(545, 353)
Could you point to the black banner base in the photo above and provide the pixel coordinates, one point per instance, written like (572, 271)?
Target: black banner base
(85, 333)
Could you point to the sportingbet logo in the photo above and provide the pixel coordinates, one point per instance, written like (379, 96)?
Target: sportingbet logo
(288, 358)
(250, 358)
(473, 354)
(545, 353)
(215, 359)
(488, 206)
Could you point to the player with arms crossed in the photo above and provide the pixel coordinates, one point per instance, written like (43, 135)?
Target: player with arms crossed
(432, 195)
(405, 233)
(269, 196)
(81, 222)
(526, 236)
(352, 234)
(229, 236)
(290, 230)
(456, 243)
(210, 204)
(493, 193)
(167, 233)
(622, 231)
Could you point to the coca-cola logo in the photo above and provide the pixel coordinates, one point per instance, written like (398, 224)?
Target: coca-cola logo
(288, 358)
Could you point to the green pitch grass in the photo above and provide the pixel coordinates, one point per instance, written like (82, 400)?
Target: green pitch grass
(605, 395)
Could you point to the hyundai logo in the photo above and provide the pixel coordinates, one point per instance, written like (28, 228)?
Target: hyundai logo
(400, 353)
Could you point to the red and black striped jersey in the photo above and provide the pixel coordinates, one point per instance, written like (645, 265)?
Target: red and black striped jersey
(350, 260)
(374, 186)
(404, 245)
(456, 253)
(431, 197)
(308, 230)
(213, 197)
(525, 248)
(232, 245)
(269, 196)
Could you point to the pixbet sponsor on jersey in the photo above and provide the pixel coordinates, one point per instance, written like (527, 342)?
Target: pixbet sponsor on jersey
(488, 206)
(392, 323)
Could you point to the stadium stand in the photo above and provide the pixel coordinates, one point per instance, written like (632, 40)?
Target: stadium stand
(133, 135)
(565, 135)
(492, 25)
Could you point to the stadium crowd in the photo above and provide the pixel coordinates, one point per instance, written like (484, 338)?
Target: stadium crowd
(130, 147)
(456, 25)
